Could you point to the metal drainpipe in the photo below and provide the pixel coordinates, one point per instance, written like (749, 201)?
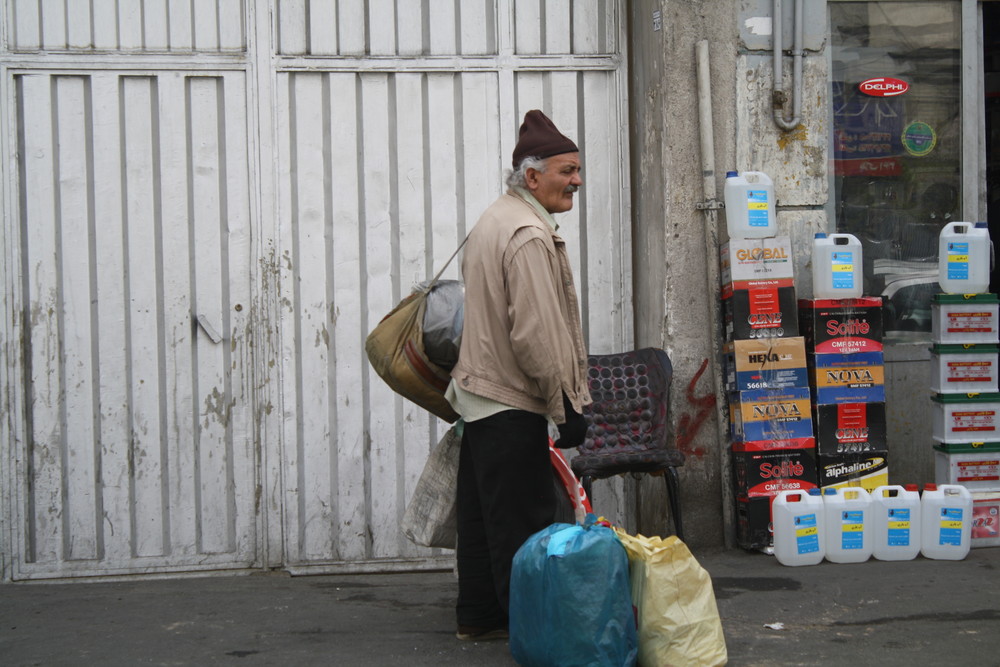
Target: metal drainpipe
(778, 95)
(711, 207)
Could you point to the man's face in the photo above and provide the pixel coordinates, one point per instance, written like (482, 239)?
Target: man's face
(554, 187)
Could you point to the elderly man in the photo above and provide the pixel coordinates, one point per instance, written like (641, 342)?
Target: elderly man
(522, 366)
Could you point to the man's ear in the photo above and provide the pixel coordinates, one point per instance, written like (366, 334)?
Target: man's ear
(531, 178)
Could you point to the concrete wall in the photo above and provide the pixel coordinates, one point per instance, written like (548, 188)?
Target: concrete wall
(675, 288)
(676, 284)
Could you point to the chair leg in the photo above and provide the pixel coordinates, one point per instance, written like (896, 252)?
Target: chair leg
(586, 482)
(674, 496)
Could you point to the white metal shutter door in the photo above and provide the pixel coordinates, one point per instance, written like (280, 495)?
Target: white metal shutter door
(110, 26)
(134, 221)
(371, 203)
(383, 166)
(418, 107)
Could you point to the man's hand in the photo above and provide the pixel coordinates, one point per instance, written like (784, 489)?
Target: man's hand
(574, 430)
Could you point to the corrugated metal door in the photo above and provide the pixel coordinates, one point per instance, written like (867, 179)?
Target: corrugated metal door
(207, 207)
(395, 124)
(129, 293)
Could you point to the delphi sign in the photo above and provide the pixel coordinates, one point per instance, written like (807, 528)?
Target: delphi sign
(883, 86)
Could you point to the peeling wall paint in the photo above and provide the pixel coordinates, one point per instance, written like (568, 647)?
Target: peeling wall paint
(758, 25)
(796, 161)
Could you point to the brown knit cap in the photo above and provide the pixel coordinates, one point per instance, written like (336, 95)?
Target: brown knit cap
(540, 138)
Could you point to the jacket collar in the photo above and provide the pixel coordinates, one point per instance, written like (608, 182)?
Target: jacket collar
(530, 199)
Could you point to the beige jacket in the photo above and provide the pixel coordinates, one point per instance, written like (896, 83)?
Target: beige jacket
(522, 344)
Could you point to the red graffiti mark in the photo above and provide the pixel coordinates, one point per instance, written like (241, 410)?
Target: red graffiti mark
(688, 426)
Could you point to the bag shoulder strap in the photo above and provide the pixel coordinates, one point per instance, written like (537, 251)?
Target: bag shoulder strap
(434, 280)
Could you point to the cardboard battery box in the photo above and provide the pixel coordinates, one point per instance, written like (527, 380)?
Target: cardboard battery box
(770, 414)
(958, 418)
(850, 428)
(869, 470)
(976, 466)
(841, 326)
(962, 369)
(761, 312)
(766, 468)
(766, 363)
(985, 519)
(753, 522)
(847, 378)
(965, 318)
(747, 263)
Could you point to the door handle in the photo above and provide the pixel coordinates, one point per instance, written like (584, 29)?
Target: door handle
(209, 330)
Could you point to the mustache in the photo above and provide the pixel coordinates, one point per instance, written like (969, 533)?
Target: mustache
(570, 189)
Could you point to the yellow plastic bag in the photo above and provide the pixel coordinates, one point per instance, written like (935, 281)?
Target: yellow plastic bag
(679, 621)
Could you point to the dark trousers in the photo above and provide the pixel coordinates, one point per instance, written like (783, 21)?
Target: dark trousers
(505, 495)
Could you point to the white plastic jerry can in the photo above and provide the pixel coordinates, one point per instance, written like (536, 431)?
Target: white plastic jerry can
(848, 524)
(837, 269)
(947, 521)
(749, 200)
(895, 522)
(797, 519)
(965, 254)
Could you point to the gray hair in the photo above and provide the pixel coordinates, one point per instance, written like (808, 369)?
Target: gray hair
(518, 177)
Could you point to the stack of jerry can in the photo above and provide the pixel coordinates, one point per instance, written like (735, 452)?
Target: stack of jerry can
(767, 383)
(966, 404)
(847, 375)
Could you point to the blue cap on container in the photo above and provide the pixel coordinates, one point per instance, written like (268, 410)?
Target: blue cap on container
(982, 225)
(820, 235)
(829, 492)
(732, 174)
(814, 492)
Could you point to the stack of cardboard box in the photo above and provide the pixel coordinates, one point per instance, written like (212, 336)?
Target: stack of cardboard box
(847, 375)
(767, 382)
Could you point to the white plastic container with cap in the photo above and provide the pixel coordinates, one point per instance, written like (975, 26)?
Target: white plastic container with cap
(797, 521)
(896, 522)
(749, 205)
(946, 517)
(965, 254)
(848, 523)
(837, 271)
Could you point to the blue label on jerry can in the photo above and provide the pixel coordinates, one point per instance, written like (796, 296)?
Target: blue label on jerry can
(757, 208)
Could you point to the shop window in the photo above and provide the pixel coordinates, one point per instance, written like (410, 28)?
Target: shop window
(896, 145)
(991, 80)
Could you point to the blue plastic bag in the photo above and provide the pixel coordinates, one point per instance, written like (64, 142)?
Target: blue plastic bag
(570, 599)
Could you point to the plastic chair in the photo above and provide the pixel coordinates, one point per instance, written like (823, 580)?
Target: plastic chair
(627, 422)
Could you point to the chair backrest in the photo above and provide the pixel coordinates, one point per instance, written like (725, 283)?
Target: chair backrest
(627, 421)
